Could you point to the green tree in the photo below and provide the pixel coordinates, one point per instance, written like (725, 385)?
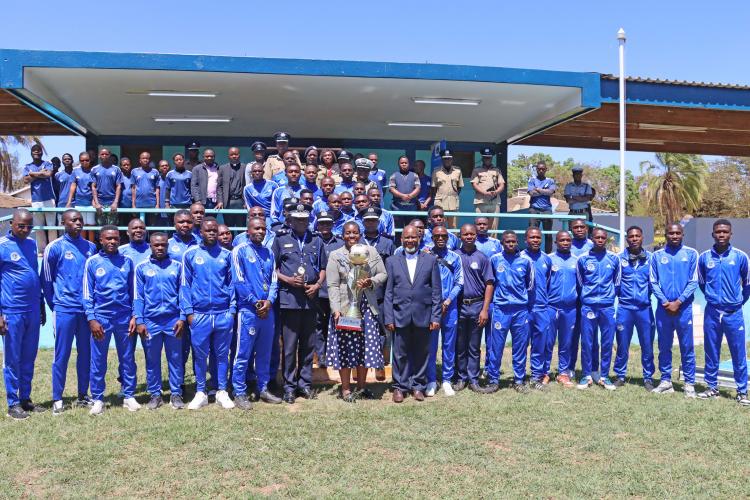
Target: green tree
(675, 184)
(9, 161)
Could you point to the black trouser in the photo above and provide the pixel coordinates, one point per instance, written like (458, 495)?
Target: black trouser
(546, 225)
(321, 333)
(298, 334)
(411, 348)
(386, 339)
(468, 349)
(236, 220)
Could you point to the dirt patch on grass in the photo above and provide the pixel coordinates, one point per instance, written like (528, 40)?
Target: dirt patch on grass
(28, 482)
(498, 446)
(270, 489)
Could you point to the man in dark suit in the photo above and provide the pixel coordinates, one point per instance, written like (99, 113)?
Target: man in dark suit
(412, 307)
(229, 188)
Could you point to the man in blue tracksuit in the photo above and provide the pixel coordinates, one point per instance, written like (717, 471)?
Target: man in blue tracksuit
(580, 245)
(489, 246)
(674, 277)
(514, 279)
(20, 313)
(208, 302)
(159, 321)
(598, 278)
(724, 277)
(563, 300)
(107, 301)
(539, 313)
(634, 308)
(62, 279)
(436, 217)
(254, 273)
(452, 282)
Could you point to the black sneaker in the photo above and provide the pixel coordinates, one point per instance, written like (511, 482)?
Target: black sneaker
(490, 388)
(30, 407)
(459, 386)
(537, 385)
(521, 388)
(648, 385)
(242, 402)
(270, 398)
(17, 413)
(176, 402)
(709, 394)
(619, 382)
(289, 397)
(83, 402)
(307, 393)
(741, 399)
(476, 388)
(154, 403)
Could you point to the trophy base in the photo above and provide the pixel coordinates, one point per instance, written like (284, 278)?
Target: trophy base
(349, 324)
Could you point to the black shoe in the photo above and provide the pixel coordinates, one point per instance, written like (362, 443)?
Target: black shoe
(176, 401)
(476, 388)
(307, 393)
(30, 407)
(288, 397)
(619, 382)
(648, 385)
(490, 388)
(18, 413)
(537, 385)
(242, 402)
(459, 386)
(154, 403)
(270, 398)
(83, 402)
(521, 388)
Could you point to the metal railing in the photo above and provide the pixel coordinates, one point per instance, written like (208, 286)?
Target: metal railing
(226, 211)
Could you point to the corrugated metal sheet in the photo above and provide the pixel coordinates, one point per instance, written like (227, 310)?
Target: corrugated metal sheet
(639, 79)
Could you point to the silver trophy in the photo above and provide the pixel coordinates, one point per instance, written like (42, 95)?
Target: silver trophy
(358, 270)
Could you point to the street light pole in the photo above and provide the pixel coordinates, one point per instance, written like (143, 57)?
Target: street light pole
(621, 42)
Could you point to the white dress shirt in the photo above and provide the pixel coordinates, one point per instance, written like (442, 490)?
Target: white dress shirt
(411, 264)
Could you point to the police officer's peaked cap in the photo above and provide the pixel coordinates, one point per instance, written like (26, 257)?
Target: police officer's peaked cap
(487, 152)
(259, 146)
(446, 153)
(193, 145)
(363, 163)
(301, 211)
(290, 203)
(344, 155)
(372, 213)
(325, 216)
(281, 137)
(577, 168)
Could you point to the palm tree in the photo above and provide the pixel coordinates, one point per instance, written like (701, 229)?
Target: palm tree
(8, 161)
(675, 184)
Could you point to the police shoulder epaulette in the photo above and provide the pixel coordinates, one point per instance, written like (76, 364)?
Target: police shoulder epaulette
(282, 231)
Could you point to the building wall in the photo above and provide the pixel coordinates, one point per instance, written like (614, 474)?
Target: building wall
(698, 233)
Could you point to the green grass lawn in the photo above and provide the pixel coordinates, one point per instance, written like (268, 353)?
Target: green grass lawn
(561, 443)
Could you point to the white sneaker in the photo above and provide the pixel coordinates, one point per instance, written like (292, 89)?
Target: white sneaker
(431, 389)
(98, 408)
(199, 401)
(222, 398)
(448, 389)
(664, 387)
(595, 376)
(689, 390)
(57, 408)
(131, 404)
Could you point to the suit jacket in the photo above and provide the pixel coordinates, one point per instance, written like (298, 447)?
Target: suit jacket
(199, 183)
(418, 302)
(224, 185)
(337, 273)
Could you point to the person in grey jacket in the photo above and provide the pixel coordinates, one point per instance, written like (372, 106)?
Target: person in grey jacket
(347, 349)
(205, 180)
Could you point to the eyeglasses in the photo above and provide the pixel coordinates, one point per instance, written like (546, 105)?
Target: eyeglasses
(25, 226)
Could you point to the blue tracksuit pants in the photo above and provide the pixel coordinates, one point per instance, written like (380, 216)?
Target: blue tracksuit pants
(540, 325)
(574, 344)
(20, 346)
(666, 325)
(254, 341)
(211, 332)
(516, 320)
(597, 320)
(125, 356)
(717, 324)
(488, 339)
(447, 330)
(69, 326)
(172, 347)
(563, 329)
(643, 321)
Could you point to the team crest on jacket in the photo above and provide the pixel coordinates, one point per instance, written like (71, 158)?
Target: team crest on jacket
(251, 258)
(555, 268)
(151, 273)
(624, 263)
(620, 327)
(175, 248)
(590, 315)
(199, 260)
(710, 264)
(501, 268)
(100, 272)
(15, 257)
(664, 259)
(69, 255)
(590, 266)
(498, 325)
(474, 265)
(252, 331)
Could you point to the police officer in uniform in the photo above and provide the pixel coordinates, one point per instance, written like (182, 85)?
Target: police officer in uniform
(331, 241)
(193, 148)
(275, 163)
(579, 194)
(300, 268)
(488, 183)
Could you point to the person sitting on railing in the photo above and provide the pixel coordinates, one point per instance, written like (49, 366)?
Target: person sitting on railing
(259, 191)
(581, 242)
(404, 186)
(106, 189)
(38, 173)
(145, 187)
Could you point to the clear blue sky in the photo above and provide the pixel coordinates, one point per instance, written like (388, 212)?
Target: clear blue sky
(691, 40)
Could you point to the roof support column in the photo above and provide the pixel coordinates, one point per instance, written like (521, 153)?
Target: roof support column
(501, 161)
